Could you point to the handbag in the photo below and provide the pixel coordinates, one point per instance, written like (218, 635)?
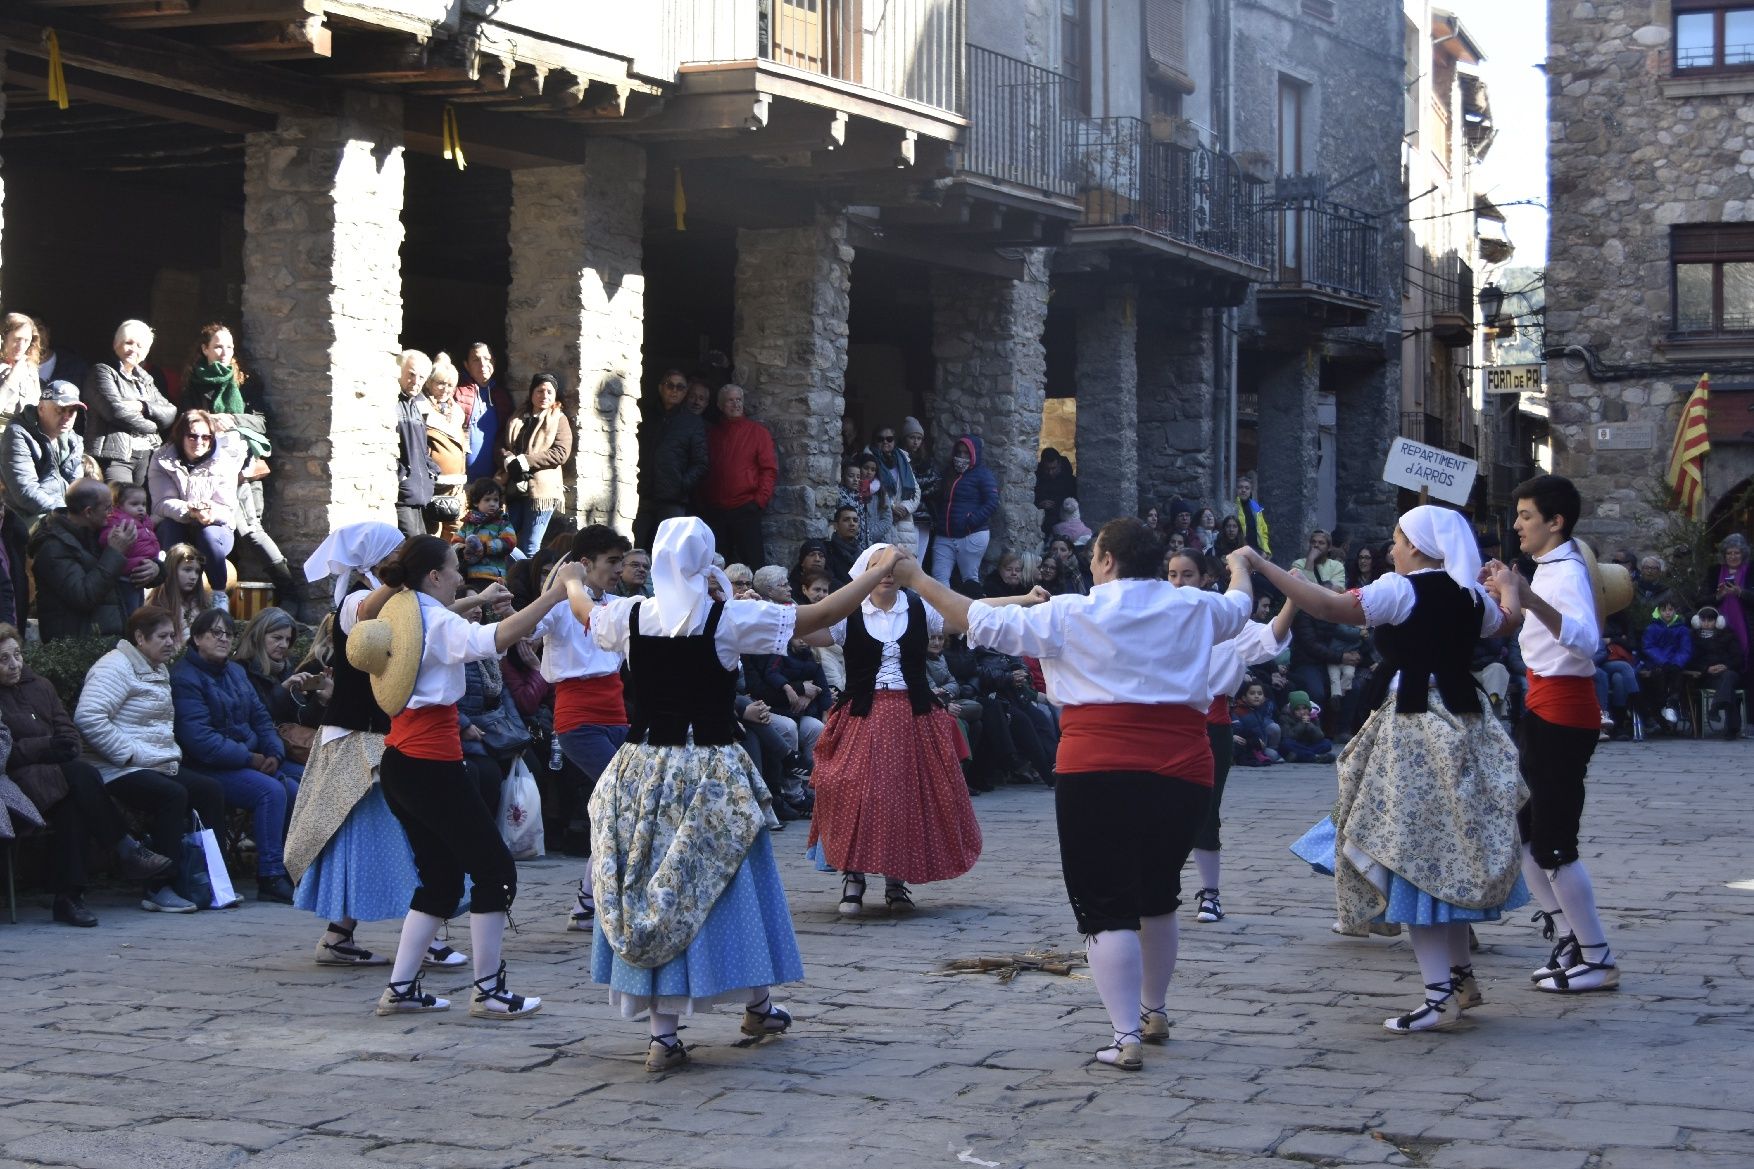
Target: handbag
(298, 740)
(255, 468)
(520, 812)
(446, 508)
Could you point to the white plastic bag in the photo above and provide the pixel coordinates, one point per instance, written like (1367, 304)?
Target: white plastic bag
(224, 895)
(520, 813)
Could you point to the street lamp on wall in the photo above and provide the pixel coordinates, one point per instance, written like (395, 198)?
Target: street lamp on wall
(1491, 303)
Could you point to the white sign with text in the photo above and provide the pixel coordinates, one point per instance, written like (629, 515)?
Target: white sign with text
(1414, 465)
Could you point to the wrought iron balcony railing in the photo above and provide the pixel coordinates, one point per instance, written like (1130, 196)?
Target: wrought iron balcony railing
(1327, 247)
(1016, 131)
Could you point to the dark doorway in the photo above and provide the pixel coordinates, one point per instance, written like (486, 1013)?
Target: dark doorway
(456, 258)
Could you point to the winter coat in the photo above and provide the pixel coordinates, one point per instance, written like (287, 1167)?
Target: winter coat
(1720, 649)
(1052, 490)
(79, 580)
(537, 448)
(43, 737)
(220, 722)
(972, 497)
(672, 456)
(212, 483)
(36, 469)
(488, 411)
(282, 705)
(116, 419)
(899, 490)
(1313, 642)
(415, 470)
(742, 465)
(1668, 645)
(126, 715)
(1243, 511)
(483, 545)
(145, 546)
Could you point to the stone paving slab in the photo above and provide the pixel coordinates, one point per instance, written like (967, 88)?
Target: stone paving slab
(213, 1040)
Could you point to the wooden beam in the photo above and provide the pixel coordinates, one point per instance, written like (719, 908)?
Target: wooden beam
(141, 99)
(293, 40)
(205, 13)
(175, 65)
(934, 252)
(362, 58)
(695, 116)
(496, 139)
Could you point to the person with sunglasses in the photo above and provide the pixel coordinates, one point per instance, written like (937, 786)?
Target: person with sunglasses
(193, 479)
(900, 486)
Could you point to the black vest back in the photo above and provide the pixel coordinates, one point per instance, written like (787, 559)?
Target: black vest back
(1435, 641)
(864, 656)
(351, 704)
(680, 685)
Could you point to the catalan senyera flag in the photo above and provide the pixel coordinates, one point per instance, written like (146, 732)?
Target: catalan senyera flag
(1686, 476)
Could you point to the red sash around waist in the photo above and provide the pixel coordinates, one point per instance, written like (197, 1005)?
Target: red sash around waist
(428, 733)
(1166, 740)
(1565, 700)
(589, 702)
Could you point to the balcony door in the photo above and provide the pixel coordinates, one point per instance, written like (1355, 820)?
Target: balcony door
(817, 35)
(1292, 96)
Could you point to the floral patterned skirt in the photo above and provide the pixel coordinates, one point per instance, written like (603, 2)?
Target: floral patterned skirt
(690, 908)
(890, 796)
(1425, 823)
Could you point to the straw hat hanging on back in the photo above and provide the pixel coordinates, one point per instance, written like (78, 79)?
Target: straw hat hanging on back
(1611, 583)
(388, 648)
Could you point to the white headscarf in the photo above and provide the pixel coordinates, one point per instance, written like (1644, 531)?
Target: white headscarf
(682, 560)
(355, 547)
(1444, 535)
(859, 567)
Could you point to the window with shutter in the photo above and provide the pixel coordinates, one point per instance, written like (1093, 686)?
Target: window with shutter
(1712, 272)
(1166, 44)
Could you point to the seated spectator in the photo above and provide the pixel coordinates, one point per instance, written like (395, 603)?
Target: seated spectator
(1362, 568)
(126, 717)
(832, 658)
(1033, 738)
(225, 731)
(1616, 676)
(1300, 732)
(1718, 658)
(183, 594)
(1665, 653)
(812, 557)
(1320, 564)
(295, 696)
(194, 485)
(844, 548)
(44, 762)
(766, 745)
(131, 503)
(635, 576)
(129, 416)
(1073, 571)
(1008, 577)
(1490, 669)
(57, 364)
(793, 684)
(1047, 575)
(80, 577)
(41, 455)
(992, 760)
(485, 539)
(522, 669)
(1230, 537)
(773, 584)
(492, 728)
(1206, 530)
(1253, 729)
(1072, 526)
(1314, 647)
(742, 579)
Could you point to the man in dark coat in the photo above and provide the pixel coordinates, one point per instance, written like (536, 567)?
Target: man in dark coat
(79, 577)
(672, 459)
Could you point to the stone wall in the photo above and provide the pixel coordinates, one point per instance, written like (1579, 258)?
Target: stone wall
(1179, 432)
(577, 308)
(1285, 481)
(323, 309)
(992, 381)
(791, 359)
(1631, 153)
(1108, 405)
(1367, 420)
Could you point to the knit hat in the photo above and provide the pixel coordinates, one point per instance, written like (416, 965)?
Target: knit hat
(1298, 698)
(911, 426)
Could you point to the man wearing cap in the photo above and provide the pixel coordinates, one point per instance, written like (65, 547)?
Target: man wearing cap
(1559, 611)
(40, 457)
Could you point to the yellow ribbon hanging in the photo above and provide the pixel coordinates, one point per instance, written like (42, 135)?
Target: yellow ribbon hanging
(679, 202)
(57, 78)
(453, 139)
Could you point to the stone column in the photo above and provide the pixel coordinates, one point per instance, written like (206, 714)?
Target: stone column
(1368, 417)
(791, 359)
(322, 303)
(1178, 407)
(577, 308)
(1108, 405)
(1285, 481)
(992, 382)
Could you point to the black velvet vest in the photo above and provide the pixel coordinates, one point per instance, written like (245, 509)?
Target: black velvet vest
(1437, 640)
(352, 705)
(680, 685)
(864, 654)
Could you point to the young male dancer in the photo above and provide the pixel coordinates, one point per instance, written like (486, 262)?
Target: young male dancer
(1559, 730)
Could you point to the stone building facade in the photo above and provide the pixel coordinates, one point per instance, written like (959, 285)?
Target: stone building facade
(1651, 198)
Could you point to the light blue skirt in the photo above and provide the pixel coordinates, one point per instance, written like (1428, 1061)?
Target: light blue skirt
(746, 941)
(366, 871)
(1408, 904)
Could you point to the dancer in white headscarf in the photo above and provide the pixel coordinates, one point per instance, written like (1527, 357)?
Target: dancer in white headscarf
(890, 796)
(1424, 830)
(690, 909)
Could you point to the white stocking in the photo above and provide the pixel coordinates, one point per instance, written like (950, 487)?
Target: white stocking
(1541, 888)
(664, 1025)
(1115, 964)
(486, 932)
(1431, 946)
(418, 931)
(1206, 860)
(1158, 938)
(1571, 884)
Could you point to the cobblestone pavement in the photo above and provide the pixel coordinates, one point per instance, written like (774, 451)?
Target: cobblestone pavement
(213, 1040)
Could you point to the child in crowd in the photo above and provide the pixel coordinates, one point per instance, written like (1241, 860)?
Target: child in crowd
(183, 591)
(132, 503)
(1301, 739)
(831, 658)
(1071, 526)
(1252, 729)
(485, 539)
(1665, 651)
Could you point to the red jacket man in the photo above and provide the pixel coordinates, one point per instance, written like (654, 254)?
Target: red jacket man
(742, 468)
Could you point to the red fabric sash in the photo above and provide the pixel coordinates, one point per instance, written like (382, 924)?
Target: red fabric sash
(1166, 740)
(1218, 714)
(1565, 701)
(589, 702)
(428, 733)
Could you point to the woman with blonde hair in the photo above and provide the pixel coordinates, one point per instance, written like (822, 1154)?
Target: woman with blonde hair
(19, 387)
(129, 416)
(447, 440)
(183, 593)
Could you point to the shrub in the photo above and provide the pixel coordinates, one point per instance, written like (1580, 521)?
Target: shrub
(66, 661)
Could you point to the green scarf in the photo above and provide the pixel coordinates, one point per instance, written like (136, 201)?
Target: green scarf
(216, 384)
